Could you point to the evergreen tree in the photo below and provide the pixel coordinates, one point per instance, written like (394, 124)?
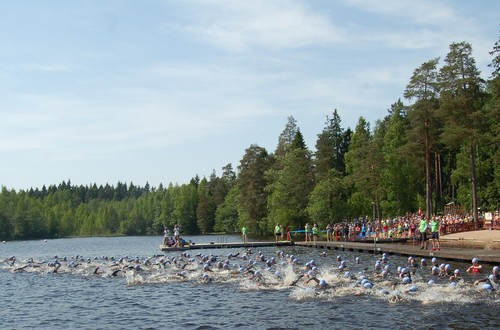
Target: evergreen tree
(286, 137)
(289, 186)
(331, 147)
(461, 105)
(251, 183)
(422, 135)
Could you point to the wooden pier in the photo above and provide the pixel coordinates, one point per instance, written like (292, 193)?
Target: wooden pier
(407, 249)
(374, 247)
(224, 245)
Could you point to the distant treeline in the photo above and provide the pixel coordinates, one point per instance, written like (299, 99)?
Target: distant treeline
(441, 147)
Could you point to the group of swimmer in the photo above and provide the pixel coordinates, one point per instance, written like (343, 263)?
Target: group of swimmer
(278, 271)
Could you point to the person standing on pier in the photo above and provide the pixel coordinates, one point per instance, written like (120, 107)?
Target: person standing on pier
(329, 231)
(277, 232)
(435, 234)
(315, 233)
(307, 230)
(177, 236)
(288, 233)
(423, 233)
(166, 235)
(244, 234)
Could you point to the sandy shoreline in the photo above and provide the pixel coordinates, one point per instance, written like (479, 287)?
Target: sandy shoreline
(487, 239)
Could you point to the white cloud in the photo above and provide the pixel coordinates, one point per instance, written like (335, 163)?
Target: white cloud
(423, 11)
(240, 25)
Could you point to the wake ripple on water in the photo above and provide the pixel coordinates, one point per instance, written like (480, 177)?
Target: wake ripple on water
(211, 283)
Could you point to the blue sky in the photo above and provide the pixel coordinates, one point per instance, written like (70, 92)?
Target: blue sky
(160, 91)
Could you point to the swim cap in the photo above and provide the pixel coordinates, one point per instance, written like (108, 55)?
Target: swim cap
(368, 285)
(434, 260)
(447, 267)
(347, 274)
(406, 280)
(322, 282)
(431, 282)
(457, 271)
(487, 287)
(495, 269)
(413, 288)
(475, 260)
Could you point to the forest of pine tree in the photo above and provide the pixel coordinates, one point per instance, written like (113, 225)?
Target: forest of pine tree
(438, 145)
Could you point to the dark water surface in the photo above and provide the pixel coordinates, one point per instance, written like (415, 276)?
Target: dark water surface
(156, 299)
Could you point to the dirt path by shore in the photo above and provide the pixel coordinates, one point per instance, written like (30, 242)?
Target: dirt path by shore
(481, 235)
(486, 239)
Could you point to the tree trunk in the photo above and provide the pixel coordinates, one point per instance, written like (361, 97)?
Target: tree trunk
(428, 188)
(474, 185)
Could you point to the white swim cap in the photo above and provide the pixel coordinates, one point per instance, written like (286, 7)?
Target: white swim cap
(487, 287)
(368, 285)
(406, 280)
(475, 260)
(322, 282)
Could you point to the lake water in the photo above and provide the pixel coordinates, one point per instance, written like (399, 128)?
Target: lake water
(171, 294)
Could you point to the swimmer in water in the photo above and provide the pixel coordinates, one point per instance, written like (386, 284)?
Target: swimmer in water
(320, 283)
(205, 278)
(476, 268)
(297, 280)
(493, 279)
(456, 275)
